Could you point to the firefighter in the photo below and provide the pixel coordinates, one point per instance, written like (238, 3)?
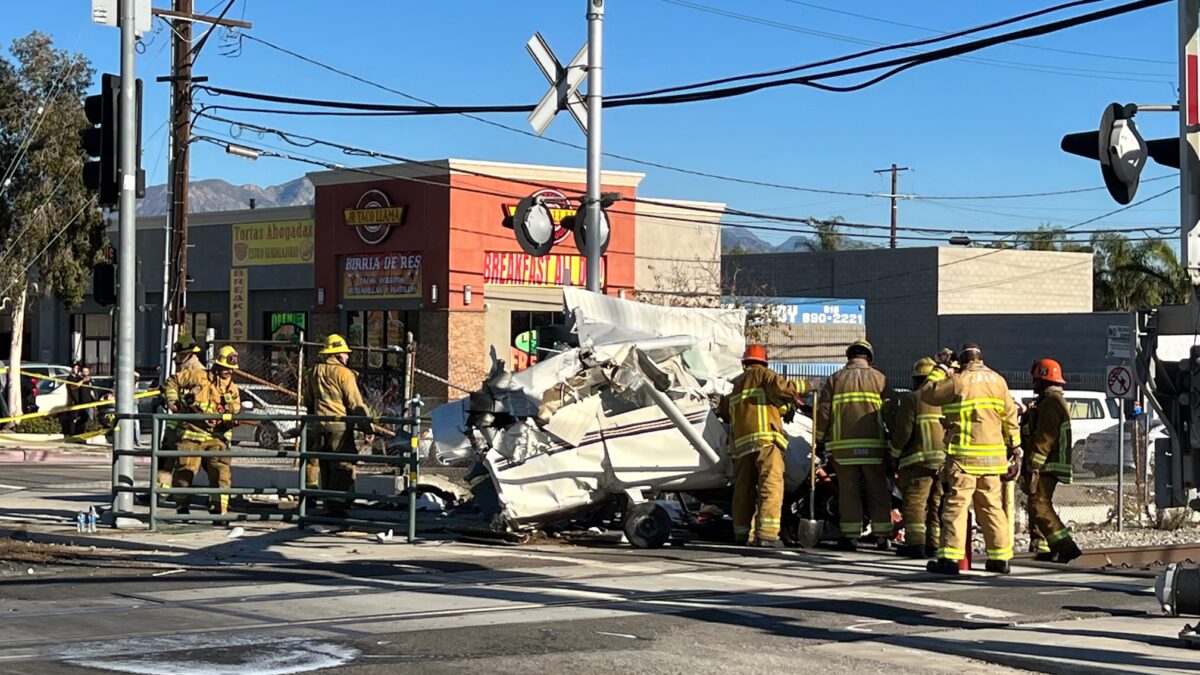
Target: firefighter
(849, 423)
(186, 354)
(332, 391)
(756, 408)
(1047, 464)
(208, 392)
(918, 451)
(981, 435)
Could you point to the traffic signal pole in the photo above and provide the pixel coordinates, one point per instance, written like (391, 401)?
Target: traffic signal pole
(595, 19)
(126, 267)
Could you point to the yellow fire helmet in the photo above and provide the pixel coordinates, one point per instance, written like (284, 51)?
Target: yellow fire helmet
(185, 345)
(227, 357)
(335, 344)
(923, 367)
(861, 345)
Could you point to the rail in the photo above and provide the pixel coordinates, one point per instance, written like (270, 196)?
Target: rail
(407, 458)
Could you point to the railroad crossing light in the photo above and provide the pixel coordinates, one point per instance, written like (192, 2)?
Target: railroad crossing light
(102, 141)
(534, 226)
(583, 230)
(1118, 147)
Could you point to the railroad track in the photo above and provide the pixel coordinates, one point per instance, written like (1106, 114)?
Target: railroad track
(1134, 557)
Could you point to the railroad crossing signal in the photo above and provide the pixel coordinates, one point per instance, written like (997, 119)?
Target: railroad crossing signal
(564, 85)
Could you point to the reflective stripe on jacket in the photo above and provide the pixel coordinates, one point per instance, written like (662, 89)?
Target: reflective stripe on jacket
(1048, 438)
(754, 409)
(849, 419)
(200, 392)
(171, 386)
(979, 414)
(918, 437)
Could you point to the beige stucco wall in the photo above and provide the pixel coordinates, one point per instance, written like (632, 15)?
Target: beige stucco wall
(678, 248)
(1005, 281)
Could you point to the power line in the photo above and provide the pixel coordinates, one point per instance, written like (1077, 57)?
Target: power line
(867, 17)
(896, 66)
(1013, 65)
(813, 223)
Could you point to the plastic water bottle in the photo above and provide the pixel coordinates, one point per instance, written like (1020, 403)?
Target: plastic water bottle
(80, 520)
(91, 519)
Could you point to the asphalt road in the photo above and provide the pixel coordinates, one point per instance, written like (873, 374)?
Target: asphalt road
(285, 602)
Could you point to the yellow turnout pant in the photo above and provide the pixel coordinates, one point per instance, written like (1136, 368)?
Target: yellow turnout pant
(758, 494)
(986, 494)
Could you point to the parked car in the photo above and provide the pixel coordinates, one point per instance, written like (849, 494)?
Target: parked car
(39, 394)
(1098, 454)
(264, 400)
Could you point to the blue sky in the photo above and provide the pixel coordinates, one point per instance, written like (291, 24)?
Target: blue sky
(965, 127)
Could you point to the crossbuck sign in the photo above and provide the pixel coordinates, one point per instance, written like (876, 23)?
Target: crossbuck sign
(564, 85)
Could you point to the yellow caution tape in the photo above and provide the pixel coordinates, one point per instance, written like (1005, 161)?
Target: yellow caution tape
(81, 406)
(40, 376)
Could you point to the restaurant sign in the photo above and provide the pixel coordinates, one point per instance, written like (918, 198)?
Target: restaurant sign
(560, 209)
(522, 269)
(381, 275)
(280, 243)
(374, 216)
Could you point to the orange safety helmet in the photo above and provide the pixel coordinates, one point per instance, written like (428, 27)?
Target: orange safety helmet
(1048, 370)
(755, 354)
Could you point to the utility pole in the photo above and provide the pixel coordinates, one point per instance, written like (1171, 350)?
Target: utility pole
(181, 140)
(895, 171)
(183, 56)
(126, 266)
(595, 19)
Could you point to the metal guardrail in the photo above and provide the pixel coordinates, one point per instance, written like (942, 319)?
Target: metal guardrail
(408, 459)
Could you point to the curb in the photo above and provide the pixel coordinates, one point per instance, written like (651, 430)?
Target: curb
(21, 455)
(73, 539)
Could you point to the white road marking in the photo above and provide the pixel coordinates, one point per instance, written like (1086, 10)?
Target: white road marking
(620, 635)
(163, 574)
(1063, 591)
(12, 487)
(864, 627)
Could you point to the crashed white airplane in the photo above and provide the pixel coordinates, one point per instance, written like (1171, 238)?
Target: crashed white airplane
(630, 411)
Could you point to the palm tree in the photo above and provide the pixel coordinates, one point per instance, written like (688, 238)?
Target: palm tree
(1047, 238)
(827, 238)
(1139, 274)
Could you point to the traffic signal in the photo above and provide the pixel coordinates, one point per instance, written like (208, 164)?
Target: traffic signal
(104, 284)
(102, 141)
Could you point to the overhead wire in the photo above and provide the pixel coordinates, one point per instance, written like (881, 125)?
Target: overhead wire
(896, 67)
(901, 24)
(999, 63)
(303, 141)
(577, 146)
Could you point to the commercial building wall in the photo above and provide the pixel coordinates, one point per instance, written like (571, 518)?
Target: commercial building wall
(678, 251)
(1009, 281)
(898, 285)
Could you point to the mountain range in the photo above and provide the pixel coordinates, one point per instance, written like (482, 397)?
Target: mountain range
(214, 194)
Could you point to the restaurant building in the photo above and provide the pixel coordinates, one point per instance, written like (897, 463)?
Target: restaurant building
(420, 247)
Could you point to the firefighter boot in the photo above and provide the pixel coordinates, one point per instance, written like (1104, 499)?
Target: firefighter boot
(1068, 552)
(942, 566)
(769, 543)
(998, 566)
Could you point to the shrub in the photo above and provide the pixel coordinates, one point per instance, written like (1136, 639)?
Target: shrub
(39, 425)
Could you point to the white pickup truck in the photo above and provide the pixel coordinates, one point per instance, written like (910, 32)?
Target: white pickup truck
(1092, 412)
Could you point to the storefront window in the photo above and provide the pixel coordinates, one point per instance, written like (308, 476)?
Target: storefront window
(197, 324)
(378, 329)
(96, 331)
(285, 326)
(522, 337)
